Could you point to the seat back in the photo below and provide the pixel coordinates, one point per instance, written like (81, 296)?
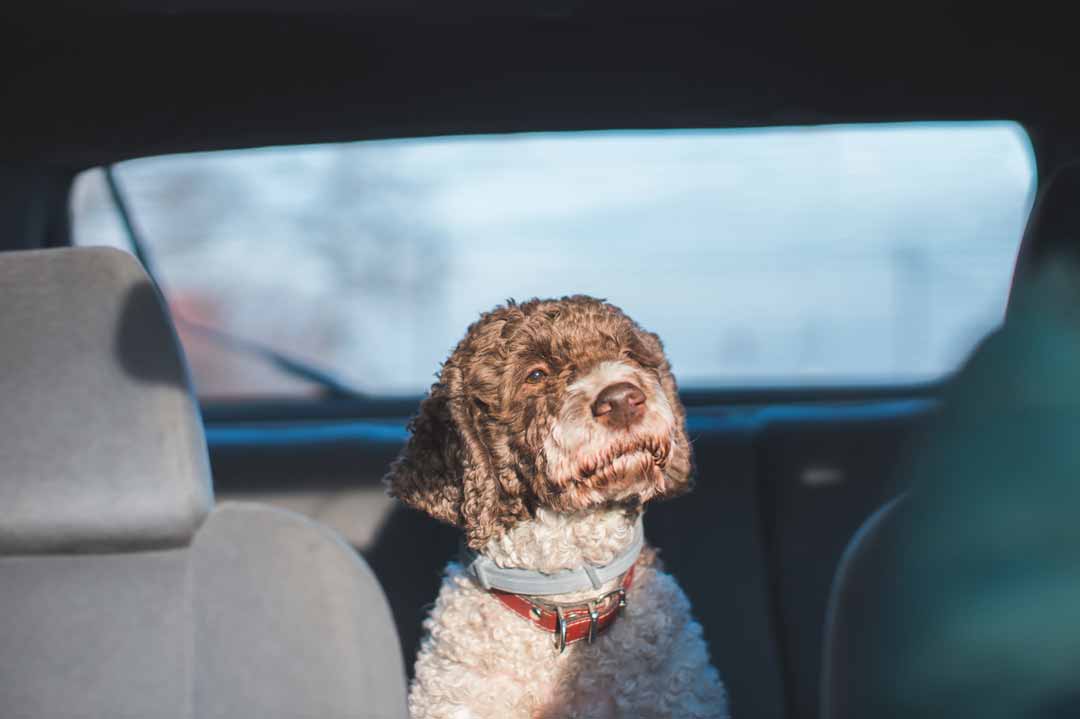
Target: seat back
(852, 617)
(124, 591)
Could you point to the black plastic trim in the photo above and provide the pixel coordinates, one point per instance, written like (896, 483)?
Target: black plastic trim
(274, 410)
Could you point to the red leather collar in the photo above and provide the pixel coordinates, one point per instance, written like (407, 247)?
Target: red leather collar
(570, 623)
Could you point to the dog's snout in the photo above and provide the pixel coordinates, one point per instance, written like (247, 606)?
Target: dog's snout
(619, 405)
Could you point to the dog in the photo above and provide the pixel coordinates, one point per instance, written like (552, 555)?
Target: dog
(551, 426)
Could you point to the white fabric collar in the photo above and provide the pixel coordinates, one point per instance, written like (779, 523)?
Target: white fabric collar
(527, 581)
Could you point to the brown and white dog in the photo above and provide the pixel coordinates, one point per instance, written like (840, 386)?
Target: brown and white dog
(551, 426)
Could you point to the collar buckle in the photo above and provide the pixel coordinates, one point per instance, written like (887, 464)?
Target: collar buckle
(593, 616)
(570, 623)
(560, 630)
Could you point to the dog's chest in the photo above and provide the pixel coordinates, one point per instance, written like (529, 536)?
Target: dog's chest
(474, 631)
(482, 657)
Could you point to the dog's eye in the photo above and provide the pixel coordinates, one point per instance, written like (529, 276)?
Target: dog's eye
(535, 376)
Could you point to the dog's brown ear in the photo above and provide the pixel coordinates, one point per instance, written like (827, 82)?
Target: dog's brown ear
(446, 470)
(427, 473)
(679, 471)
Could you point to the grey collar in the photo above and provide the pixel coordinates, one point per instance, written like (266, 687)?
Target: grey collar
(530, 582)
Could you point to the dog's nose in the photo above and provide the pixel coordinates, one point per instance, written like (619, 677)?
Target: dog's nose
(619, 405)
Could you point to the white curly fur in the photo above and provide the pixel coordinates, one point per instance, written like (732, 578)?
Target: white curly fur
(553, 541)
(481, 661)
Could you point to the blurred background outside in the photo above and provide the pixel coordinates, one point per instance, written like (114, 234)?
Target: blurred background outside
(764, 257)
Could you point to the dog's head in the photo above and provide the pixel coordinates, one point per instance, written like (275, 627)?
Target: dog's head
(565, 404)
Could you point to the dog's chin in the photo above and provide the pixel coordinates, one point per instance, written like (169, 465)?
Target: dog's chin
(619, 476)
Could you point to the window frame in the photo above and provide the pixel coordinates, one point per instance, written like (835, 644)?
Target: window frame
(321, 406)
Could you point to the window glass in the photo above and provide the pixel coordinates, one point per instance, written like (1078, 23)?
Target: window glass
(762, 257)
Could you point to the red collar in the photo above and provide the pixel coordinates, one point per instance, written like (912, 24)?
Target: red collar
(570, 623)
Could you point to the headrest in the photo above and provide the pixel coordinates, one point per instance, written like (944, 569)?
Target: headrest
(101, 443)
(1053, 227)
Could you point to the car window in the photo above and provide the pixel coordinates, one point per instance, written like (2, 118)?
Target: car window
(763, 257)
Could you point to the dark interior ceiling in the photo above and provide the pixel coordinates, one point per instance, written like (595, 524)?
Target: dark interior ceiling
(138, 77)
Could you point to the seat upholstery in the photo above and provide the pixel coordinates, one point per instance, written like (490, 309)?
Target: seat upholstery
(100, 442)
(124, 591)
(816, 462)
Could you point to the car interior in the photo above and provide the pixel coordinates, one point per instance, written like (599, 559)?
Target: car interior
(168, 554)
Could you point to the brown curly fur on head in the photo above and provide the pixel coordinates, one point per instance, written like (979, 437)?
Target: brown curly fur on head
(509, 426)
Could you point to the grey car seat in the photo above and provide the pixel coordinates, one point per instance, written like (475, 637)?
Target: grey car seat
(124, 590)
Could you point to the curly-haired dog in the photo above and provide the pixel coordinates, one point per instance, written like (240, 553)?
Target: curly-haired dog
(552, 424)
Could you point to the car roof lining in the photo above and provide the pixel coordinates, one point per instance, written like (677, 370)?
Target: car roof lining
(90, 88)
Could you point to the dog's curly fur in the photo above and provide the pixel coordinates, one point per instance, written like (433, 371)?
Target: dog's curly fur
(506, 447)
